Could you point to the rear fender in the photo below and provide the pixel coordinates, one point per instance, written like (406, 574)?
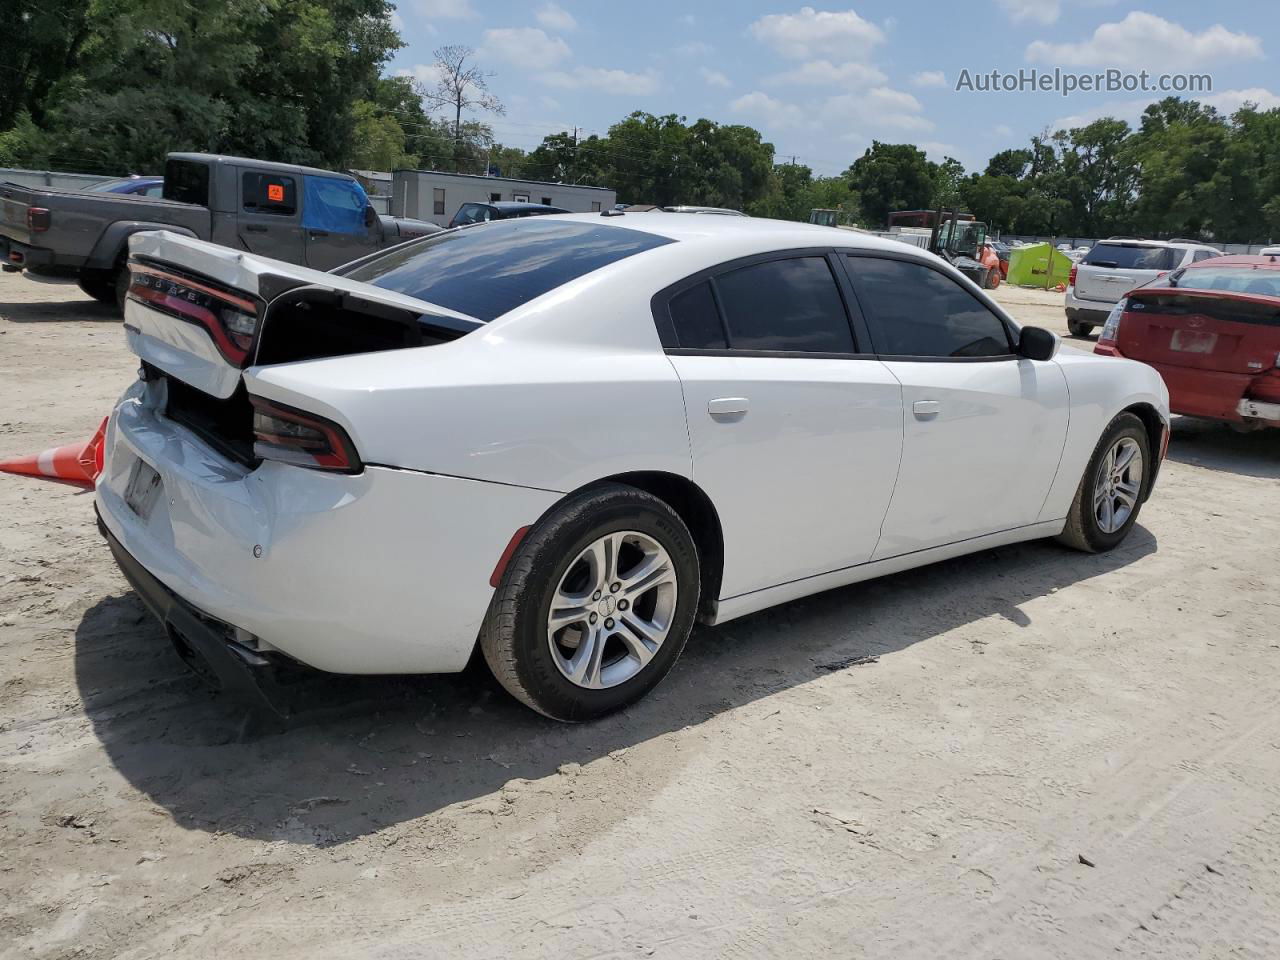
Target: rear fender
(113, 245)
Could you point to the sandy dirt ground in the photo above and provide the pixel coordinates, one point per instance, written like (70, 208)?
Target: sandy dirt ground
(1049, 755)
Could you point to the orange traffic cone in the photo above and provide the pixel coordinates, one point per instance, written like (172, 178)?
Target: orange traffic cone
(78, 463)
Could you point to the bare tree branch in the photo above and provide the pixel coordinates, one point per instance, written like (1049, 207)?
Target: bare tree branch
(460, 86)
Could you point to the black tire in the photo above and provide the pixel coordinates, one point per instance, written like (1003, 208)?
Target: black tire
(99, 284)
(1083, 531)
(989, 279)
(1079, 328)
(514, 637)
(121, 282)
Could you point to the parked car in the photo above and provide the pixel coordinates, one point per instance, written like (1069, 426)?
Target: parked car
(572, 436)
(1212, 330)
(1112, 267)
(500, 210)
(132, 186)
(291, 213)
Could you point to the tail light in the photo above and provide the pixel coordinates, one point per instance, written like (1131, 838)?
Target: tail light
(1111, 328)
(230, 317)
(304, 439)
(1071, 277)
(38, 219)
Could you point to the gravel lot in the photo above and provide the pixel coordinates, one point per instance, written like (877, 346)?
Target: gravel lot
(1053, 755)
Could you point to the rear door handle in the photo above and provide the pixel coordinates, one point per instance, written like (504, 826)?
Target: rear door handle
(728, 406)
(255, 228)
(318, 233)
(926, 408)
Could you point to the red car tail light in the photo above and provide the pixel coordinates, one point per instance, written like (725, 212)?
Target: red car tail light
(38, 219)
(230, 317)
(304, 439)
(1071, 277)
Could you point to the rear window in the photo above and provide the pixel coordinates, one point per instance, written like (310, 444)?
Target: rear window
(495, 267)
(1263, 283)
(186, 182)
(1122, 256)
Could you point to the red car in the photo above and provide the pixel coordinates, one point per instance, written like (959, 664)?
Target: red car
(1212, 330)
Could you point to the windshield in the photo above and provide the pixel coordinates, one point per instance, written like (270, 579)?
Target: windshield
(1132, 256)
(1260, 282)
(492, 268)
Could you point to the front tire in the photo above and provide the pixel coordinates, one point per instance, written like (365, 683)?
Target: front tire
(1112, 489)
(595, 606)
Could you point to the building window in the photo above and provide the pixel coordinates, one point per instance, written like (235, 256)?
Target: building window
(520, 197)
(438, 208)
(495, 197)
(546, 201)
(595, 206)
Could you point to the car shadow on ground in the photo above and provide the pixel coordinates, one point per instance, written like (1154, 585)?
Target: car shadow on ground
(59, 311)
(1207, 443)
(388, 750)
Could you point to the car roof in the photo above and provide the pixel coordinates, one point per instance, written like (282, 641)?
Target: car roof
(1136, 242)
(744, 232)
(1238, 260)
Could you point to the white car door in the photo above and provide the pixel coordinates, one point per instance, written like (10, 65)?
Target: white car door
(795, 433)
(983, 429)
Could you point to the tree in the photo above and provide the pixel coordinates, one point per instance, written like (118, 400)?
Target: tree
(460, 85)
(947, 178)
(891, 176)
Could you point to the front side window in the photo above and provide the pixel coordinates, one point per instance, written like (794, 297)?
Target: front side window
(915, 311)
(269, 193)
(494, 268)
(334, 206)
(787, 305)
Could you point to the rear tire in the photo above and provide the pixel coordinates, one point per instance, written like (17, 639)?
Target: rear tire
(1112, 489)
(121, 282)
(566, 630)
(99, 284)
(991, 279)
(1079, 328)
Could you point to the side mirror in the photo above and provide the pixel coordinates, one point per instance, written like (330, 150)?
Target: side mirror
(370, 216)
(1037, 343)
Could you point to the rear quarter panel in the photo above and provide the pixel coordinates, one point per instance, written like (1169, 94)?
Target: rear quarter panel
(1100, 388)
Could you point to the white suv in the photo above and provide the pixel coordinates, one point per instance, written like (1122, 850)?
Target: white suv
(1116, 266)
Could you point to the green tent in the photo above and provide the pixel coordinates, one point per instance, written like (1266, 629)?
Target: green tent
(1028, 266)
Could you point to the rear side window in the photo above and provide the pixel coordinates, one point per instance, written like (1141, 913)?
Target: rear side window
(790, 305)
(696, 319)
(915, 311)
(1203, 255)
(269, 193)
(1121, 256)
(186, 182)
(495, 267)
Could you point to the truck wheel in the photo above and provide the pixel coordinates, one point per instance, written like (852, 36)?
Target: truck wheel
(1079, 328)
(992, 279)
(99, 284)
(121, 281)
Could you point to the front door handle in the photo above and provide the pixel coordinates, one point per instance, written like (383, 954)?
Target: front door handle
(255, 228)
(926, 408)
(728, 406)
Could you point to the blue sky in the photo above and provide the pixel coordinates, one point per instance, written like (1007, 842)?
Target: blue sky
(821, 82)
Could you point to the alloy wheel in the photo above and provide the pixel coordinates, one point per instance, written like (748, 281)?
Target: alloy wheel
(1117, 485)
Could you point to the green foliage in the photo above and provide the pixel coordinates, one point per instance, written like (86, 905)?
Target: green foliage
(892, 176)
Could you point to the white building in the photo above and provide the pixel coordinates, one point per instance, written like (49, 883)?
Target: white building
(435, 196)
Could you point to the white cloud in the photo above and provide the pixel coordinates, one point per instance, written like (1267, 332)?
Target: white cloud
(929, 78)
(1003, 130)
(1229, 101)
(603, 80)
(426, 74)
(714, 78)
(694, 48)
(809, 33)
(524, 47)
(879, 108)
(1127, 110)
(555, 17)
(443, 9)
(936, 150)
(1036, 11)
(821, 73)
(1146, 38)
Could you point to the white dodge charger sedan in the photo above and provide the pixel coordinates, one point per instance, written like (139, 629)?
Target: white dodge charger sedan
(565, 439)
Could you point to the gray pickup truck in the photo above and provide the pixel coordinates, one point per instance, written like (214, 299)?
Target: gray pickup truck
(298, 214)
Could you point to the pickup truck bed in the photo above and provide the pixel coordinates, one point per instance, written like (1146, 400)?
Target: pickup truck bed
(84, 230)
